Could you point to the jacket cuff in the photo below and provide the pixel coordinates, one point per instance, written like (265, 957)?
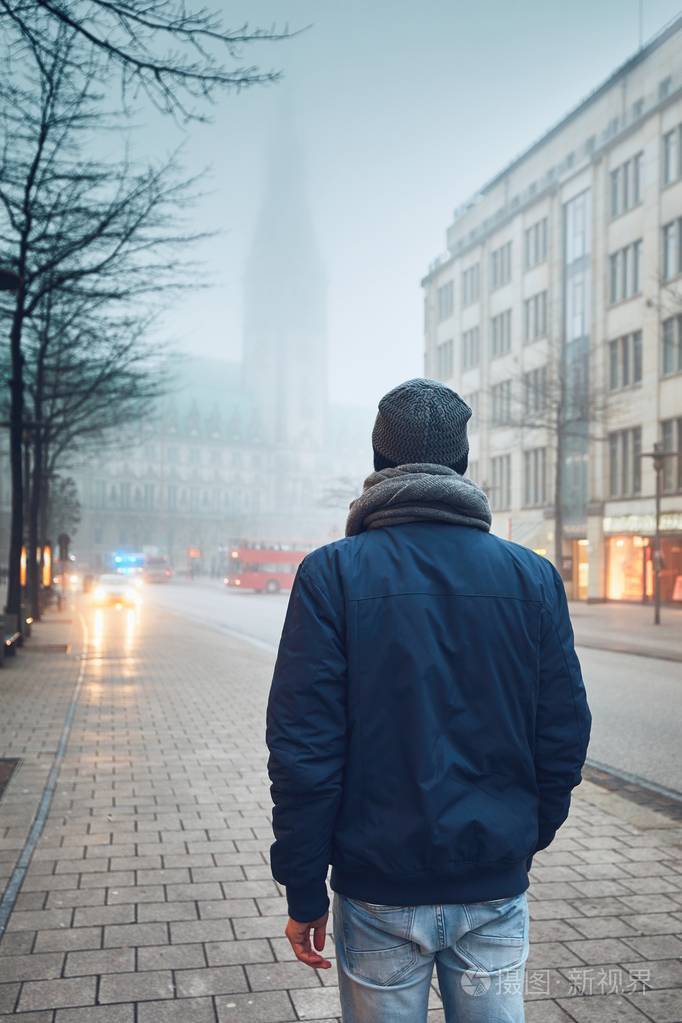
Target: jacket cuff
(307, 902)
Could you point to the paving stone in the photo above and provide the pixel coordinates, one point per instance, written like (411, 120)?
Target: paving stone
(608, 906)
(226, 953)
(76, 897)
(179, 875)
(109, 879)
(110, 960)
(546, 1012)
(656, 946)
(278, 976)
(657, 973)
(654, 923)
(47, 966)
(68, 940)
(16, 944)
(553, 930)
(259, 926)
(138, 987)
(227, 908)
(40, 919)
(602, 927)
(94, 915)
(258, 1007)
(135, 934)
(603, 1009)
(149, 912)
(171, 957)
(660, 1006)
(55, 994)
(96, 1014)
(200, 930)
(599, 951)
(217, 980)
(193, 892)
(8, 997)
(551, 909)
(184, 1010)
(135, 893)
(552, 953)
(323, 1001)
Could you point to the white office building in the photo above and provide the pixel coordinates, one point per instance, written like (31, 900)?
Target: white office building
(556, 311)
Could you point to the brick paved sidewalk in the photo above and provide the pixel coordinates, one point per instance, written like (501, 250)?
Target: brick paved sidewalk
(149, 897)
(628, 629)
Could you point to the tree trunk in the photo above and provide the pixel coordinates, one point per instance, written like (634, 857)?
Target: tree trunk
(16, 428)
(34, 533)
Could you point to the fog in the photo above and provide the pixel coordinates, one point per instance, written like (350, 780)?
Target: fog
(402, 111)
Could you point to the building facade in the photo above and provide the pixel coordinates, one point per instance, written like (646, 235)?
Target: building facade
(199, 474)
(557, 312)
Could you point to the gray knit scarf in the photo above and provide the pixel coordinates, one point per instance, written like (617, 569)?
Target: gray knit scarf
(418, 491)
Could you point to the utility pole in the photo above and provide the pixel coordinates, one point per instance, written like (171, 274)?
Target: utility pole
(658, 456)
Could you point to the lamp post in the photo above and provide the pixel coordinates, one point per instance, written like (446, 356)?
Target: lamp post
(658, 457)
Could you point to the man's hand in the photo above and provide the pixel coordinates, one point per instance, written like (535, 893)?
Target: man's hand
(299, 937)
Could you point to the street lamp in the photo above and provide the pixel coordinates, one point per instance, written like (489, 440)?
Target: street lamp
(658, 456)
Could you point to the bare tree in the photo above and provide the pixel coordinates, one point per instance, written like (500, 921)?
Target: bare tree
(172, 51)
(88, 373)
(99, 234)
(557, 406)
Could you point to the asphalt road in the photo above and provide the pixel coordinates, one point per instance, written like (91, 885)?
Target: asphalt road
(635, 700)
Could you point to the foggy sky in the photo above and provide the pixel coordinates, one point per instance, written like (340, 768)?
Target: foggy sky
(403, 110)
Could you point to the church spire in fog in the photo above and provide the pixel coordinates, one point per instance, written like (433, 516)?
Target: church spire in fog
(285, 343)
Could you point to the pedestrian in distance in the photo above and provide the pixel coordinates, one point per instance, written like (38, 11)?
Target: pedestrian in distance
(426, 724)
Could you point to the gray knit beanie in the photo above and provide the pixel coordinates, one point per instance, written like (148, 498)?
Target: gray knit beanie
(421, 421)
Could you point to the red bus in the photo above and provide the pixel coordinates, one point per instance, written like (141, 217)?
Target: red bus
(265, 568)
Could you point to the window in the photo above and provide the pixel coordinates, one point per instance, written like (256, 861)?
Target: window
(626, 185)
(535, 244)
(500, 334)
(535, 390)
(472, 402)
(577, 227)
(625, 471)
(501, 403)
(445, 297)
(625, 361)
(624, 272)
(471, 284)
(672, 155)
(671, 437)
(500, 266)
(671, 360)
(672, 249)
(470, 348)
(534, 463)
(535, 317)
(444, 360)
(500, 490)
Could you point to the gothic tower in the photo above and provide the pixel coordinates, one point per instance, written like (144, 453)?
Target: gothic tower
(285, 344)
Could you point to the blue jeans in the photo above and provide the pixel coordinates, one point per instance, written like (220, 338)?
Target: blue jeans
(385, 957)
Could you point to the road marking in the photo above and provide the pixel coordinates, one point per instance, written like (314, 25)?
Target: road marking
(16, 880)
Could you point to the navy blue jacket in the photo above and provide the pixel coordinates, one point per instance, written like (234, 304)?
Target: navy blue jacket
(427, 719)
